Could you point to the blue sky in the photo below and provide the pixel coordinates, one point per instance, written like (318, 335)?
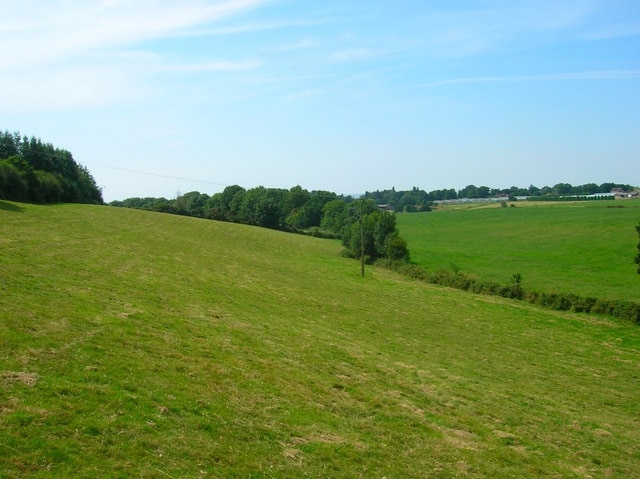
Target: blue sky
(164, 97)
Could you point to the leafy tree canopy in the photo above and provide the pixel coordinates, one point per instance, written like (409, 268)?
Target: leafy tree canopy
(419, 200)
(33, 171)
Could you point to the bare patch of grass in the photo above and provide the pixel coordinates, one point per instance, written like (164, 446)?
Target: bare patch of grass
(28, 379)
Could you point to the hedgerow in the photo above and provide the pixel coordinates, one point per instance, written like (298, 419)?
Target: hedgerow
(623, 309)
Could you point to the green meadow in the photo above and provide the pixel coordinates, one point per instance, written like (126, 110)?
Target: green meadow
(139, 344)
(586, 248)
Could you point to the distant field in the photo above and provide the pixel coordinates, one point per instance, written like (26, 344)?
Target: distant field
(586, 248)
(138, 344)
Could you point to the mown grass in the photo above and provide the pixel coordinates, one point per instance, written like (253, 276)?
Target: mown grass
(586, 248)
(136, 344)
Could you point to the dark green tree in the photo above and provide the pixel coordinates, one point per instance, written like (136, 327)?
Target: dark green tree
(9, 144)
(50, 174)
(483, 192)
(309, 215)
(450, 194)
(294, 206)
(357, 235)
(191, 204)
(469, 191)
(533, 191)
(372, 233)
(270, 209)
(88, 190)
(224, 206)
(335, 216)
(13, 183)
(296, 198)
(562, 189)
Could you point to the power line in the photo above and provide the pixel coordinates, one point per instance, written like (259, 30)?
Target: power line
(159, 175)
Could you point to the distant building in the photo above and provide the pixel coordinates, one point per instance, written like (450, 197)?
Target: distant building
(620, 194)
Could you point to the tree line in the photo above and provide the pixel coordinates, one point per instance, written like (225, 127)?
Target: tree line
(419, 200)
(364, 224)
(361, 225)
(38, 172)
(299, 209)
(277, 208)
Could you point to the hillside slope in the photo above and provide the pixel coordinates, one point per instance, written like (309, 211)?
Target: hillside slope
(137, 344)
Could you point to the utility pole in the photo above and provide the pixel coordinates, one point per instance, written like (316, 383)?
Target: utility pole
(361, 243)
(359, 211)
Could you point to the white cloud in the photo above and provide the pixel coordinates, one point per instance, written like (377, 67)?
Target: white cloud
(75, 52)
(76, 26)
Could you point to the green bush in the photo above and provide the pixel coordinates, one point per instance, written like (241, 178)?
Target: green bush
(397, 248)
(583, 305)
(622, 309)
(602, 306)
(561, 302)
(513, 291)
(13, 184)
(626, 310)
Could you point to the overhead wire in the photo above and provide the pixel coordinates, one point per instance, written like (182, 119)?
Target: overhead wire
(159, 175)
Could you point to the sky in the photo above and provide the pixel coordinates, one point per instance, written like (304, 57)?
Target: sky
(162, 97)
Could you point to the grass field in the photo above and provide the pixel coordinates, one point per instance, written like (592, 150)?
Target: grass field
(137, 344)
(586, 248)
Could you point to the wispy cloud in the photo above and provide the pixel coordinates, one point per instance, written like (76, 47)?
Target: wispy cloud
(252, 27)
(119, 47)
(475, 31)
(96, 52)
(615, 30)
(215, 66)
(300, 95)
(354, 54)
(81, 26)
(301, 44)
(570, 76)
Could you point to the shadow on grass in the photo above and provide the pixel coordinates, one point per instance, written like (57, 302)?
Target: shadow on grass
(6, 206)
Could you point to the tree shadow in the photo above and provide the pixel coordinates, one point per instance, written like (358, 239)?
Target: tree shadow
(6, 206)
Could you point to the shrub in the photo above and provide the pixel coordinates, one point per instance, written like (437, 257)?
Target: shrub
(396, 248)
(602, 306)
(460, 281)
(627, 310)
(13, 184)
(513, 291)
(320, 233)
(583, 305)
(531, 297)
(561, 302)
